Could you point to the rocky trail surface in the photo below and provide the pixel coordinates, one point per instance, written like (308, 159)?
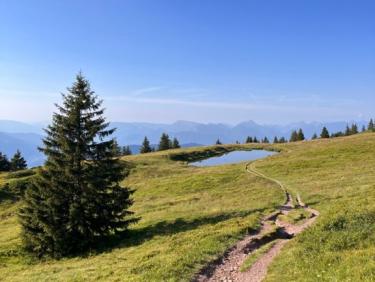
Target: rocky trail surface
(273, 229)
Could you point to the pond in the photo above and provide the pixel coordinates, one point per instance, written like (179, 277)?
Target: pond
(234, 157)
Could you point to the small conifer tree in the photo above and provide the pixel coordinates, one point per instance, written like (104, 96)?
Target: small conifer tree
(218, 142)
(117, 151)
(4, 162)
(315, 136)
(255, 140)
(348, 131)
(145, 148)
(300, 135)
(249, 139)
(175, 144)
(76, 198)
(371, 126)
(325, 133)
(165, 143)
(126, 151)
(275, 140)
(18, 162)
(354, 128)
(294, 136)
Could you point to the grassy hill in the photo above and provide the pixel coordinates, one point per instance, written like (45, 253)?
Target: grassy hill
(190, 215)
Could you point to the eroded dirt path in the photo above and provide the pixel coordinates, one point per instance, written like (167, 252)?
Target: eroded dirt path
(227, 267)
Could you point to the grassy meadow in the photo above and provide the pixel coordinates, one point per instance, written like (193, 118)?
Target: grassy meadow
(190, 215)
(336, 177)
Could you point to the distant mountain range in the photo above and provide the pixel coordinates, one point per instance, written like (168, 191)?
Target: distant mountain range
(27, 137)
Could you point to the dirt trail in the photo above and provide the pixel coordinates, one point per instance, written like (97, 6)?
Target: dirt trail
(227, 267)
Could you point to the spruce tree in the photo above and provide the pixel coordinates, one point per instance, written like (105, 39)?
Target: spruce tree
(117, 151)
(265, 140)
(325, 133)
(354, 129)
(294, 136)
(4, 162)
(348, 131)
(175, 144)
(145, 148)
(363, 128)
(218, 142)
(165, 142)
(76, 198)
(249, 140)
(255, 140)
(371, 126)
(275, 140)
(126, 151)
(282, 140)
(315, 136)
(18, 162)
(300, 135)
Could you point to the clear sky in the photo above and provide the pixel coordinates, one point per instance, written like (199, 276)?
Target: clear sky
(202, 60)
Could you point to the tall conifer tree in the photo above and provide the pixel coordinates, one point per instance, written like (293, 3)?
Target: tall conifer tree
(76, 197)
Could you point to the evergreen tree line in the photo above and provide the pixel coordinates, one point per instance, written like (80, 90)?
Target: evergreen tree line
(121, 150)
(165, 143)
(17, 162)
(298, 135)
(349, 130)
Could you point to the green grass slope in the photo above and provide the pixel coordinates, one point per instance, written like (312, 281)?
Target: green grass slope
(189, 216)
(336, 177)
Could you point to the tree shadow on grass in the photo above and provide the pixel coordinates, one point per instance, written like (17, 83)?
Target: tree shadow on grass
(137, 236)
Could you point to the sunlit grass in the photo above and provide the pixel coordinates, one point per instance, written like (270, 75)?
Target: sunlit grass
(189, 216)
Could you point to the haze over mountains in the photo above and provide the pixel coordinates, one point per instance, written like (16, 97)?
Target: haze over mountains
(27, 137)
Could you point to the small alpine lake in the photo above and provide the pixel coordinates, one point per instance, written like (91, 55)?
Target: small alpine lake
(234, 157)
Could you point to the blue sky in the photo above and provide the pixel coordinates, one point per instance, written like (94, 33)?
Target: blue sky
(202, 60)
